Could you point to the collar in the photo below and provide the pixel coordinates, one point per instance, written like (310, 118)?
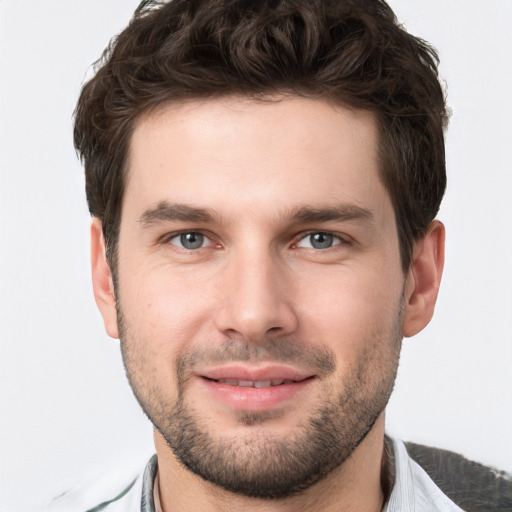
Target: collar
(411, 488)
(148, 486)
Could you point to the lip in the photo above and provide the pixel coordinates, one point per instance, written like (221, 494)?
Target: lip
(241, 398)
(267, 372)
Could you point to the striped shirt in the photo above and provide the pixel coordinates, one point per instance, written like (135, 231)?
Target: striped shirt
(413, 490)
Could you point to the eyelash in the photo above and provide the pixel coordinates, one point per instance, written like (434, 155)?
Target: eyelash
(168, 238)
(342, 240)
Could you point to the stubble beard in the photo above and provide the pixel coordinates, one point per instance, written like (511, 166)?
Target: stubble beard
(259, 464)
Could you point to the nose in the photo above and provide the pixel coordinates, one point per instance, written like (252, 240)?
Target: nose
(257, 298)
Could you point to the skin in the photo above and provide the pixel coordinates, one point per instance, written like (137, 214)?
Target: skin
(257, 282)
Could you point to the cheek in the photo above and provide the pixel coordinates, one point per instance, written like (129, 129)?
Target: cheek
(351, 312)
(151, 341)
(166, 309)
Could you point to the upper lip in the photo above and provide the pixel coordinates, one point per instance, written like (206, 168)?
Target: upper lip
(255, 373)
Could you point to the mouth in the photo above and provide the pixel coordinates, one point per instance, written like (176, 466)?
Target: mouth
(255, 389)
(254, 383)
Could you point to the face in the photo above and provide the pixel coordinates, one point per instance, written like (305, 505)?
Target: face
(259, 289)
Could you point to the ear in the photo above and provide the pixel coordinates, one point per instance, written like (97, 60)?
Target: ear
(102, 281)
(423, 279)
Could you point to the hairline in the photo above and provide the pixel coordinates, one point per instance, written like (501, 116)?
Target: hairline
(263, 96)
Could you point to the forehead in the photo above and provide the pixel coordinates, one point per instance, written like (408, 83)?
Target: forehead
(236, 154)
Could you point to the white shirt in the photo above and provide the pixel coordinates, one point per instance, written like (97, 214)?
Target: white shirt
(413, 490)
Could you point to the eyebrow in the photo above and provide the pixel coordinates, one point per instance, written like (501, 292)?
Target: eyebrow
(166, 212)
(343, 212)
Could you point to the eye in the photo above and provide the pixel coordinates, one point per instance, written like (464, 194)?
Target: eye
(319, 240)
(190, 240)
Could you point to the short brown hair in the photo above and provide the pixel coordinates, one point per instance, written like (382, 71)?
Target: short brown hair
(352, 52)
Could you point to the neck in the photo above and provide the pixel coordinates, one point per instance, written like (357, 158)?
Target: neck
(356, 485)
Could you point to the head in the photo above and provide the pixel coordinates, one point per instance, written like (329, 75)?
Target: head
(264, 178)
(350, 52)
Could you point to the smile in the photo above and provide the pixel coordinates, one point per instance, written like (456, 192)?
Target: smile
(255, 384)
(250, 389)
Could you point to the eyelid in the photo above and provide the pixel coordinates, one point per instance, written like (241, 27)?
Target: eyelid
(166, 239)
(343, 238)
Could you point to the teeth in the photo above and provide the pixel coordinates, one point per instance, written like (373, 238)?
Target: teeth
(262, 384)
(255, 384)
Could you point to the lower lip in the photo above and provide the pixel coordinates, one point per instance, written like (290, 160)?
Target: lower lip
(255, 399)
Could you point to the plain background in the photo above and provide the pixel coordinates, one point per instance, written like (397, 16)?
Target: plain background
(67, 416)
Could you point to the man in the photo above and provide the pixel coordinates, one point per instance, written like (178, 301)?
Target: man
(264, 179)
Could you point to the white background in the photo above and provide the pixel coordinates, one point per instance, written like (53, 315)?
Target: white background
(67, 416)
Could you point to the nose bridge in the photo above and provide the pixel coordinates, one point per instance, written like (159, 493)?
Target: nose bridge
(256, 295)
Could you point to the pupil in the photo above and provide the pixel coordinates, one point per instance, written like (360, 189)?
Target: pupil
(321, 240)
(192, 240)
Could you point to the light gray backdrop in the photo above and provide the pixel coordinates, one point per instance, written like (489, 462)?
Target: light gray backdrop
(67, 416)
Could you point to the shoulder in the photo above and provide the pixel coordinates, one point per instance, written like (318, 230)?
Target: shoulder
(127, 501)
(137, 496)
(472, 486)
(118, 492)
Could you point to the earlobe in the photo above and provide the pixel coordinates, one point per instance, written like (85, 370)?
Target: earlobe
(423, 279)
(102, 281)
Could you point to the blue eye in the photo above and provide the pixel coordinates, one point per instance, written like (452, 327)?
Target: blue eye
(319, 240)
(189, 240)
